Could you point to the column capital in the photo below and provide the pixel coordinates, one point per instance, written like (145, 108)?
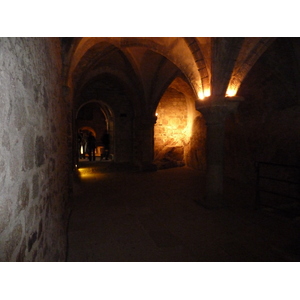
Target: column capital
(216, 109)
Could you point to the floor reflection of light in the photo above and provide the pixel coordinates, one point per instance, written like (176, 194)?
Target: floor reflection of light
(89, 173)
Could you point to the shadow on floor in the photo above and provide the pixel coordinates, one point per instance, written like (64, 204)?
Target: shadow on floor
(120, 214)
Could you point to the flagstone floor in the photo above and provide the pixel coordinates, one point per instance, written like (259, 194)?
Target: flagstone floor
(122, 215)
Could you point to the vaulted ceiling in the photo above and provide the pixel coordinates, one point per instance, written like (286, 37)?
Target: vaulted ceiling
(147, 65)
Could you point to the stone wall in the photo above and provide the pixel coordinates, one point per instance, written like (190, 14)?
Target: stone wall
(195, 156)
(266, 126)
(170, 130)
(34, 160)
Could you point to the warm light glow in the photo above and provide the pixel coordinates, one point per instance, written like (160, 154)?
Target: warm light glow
(202, 95)
(173, 126)
(207, 93)
(89, 173)
(231, 92)
(156, 114)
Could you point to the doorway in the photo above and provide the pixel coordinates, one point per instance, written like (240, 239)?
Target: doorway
(94, 117)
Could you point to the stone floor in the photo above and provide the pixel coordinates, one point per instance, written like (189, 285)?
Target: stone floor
(122, 215)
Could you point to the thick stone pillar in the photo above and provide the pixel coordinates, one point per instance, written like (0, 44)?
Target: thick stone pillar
(71, 130)
(215, 111)
(145, 139)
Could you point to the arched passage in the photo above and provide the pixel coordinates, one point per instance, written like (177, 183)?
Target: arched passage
(170, 131)
(96, 117)
(175, 114)
(115, 102)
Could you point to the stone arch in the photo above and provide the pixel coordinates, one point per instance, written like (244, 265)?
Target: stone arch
(88, 128)
(116, 104)
(252, 49)
(98, 128)
(175, 49)
(132, 91)
(201, 65)
(175, 115)
(105, 108)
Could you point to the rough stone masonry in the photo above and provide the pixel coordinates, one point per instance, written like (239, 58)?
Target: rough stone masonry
(33, 151)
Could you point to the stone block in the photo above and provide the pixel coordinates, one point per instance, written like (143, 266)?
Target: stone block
(28, 146)
(35, 186)
(23, 196)
(21, 254)
(32, 239)
(5, 213)
(13, 241)
(39, 151)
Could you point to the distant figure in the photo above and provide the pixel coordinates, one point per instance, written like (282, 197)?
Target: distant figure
(105, 141)
(91, 146)
(83, 144)
(79, 140)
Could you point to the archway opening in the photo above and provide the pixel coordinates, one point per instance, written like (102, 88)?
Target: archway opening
(172, 130)
(93, 117)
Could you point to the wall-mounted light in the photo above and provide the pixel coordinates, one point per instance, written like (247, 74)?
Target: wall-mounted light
(155, 118)
(231, 92)
(203, 94)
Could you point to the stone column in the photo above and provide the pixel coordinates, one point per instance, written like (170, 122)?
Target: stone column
(145, 133)
(215, 111)
(71, 130)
